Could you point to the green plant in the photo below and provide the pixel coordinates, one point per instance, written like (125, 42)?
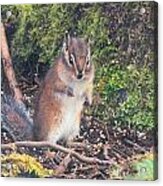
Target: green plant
(144, 168)
(139, 167)
(124, 59)
(127, 95)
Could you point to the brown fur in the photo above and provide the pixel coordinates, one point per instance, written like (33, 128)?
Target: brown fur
(49, 108)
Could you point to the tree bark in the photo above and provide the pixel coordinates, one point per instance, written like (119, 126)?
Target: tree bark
(8, 67)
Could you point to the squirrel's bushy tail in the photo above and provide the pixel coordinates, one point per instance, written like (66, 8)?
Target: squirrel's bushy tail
(15, 119)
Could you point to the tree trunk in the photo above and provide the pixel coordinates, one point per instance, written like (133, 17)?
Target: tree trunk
(8, 67)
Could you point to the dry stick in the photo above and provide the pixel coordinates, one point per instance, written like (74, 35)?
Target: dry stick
(25, 80)
(78, 145)
(8, 67)
(63, 165)
(86, 168)
(134, 144)
(82, 158)
(32, 88)
(120, 152)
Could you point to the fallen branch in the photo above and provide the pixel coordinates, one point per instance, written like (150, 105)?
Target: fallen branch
(82, 158)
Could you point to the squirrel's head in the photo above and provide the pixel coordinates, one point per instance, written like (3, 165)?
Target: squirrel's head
(77, 59)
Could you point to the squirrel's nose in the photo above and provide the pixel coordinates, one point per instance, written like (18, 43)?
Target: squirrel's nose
(80, 75)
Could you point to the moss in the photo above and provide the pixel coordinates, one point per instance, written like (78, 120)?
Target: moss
(14, 165)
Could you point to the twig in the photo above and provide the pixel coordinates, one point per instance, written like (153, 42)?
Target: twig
(106, 130)
(25, 80)
(82, 158)
(37, 81)
(98, 121)
(79, 146)
(63, 165)
(29, 89)
(119, 152)
(87, 168)
(134, 144)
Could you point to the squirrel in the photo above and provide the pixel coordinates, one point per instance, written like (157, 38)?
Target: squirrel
(67, 86)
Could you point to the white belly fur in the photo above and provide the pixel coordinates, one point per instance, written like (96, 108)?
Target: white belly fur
(68, 126)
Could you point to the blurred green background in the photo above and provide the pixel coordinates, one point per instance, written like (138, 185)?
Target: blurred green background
(124, 52)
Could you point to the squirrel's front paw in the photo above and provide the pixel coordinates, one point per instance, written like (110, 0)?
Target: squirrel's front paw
(88, 101)
(70, 92)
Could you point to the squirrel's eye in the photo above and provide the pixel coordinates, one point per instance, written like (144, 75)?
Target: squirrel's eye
(88, 62)
(71, 60)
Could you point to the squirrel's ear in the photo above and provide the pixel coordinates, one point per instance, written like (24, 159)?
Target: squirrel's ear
(87, 39)
(66, 42)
